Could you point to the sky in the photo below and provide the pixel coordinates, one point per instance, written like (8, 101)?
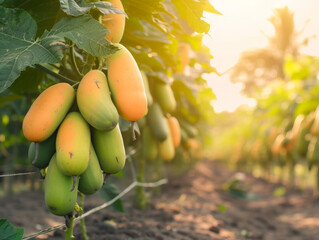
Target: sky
(243, 25)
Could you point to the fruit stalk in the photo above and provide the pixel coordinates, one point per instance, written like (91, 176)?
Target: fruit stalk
(69, 230)
(140, 197)
(82, 222)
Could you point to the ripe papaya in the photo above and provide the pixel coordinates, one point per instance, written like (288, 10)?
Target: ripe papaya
(115, 23)
(166, 148)
(157, 122)
(192, 144)
(95, 103)
(189, 129)
(149, 145)
(126, 84)
(109, 149)
(164, 95)
(40, 153)
(175, 130)
(58, 197)
(92, 178)
(73, 145)
(47, 112)
(149, 96)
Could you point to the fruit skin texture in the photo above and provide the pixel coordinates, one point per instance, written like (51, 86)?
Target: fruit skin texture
(157, 122)
(166, 148)
(164, 95)
(149, 145)
(115, 23)
(47, 112)
(175, 130)
(92, 178)
(126, 84)
(149, 96)
(109, 149)
(73, 145)
(46, 149)
(58, 197)
(95, 103)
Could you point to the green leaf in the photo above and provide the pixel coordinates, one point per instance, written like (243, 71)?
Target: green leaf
(87, 33)
(9, 232)
(109, 191)
(78, 8)
(18, 47)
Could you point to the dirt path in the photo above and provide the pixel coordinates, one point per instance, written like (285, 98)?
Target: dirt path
(193, 206)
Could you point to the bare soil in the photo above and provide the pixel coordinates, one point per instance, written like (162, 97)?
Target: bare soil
(191, 206)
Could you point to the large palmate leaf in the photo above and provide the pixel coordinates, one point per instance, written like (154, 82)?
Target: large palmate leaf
(78, 8)
(9, 232)
(87, 33)
(19, 48)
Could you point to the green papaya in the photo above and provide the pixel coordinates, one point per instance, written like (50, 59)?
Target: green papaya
(164, 95)
(149, 145)
(95, 103)
(157, 122)
(302, 141)
(73, 145)
(184, 135)
(40, 153)
(92, 178)
(109, 149)
(149, 96)
(313, 152)
(166, 148)
(189, 129)
(58, 197)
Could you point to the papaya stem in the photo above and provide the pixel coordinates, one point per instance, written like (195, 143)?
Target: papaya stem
(82, 222)
(105, 176)
(90, 61)
(140, 196)
(74, 182)
(73, 62)
(133, 131)
(56, 75)
(36, 153)
(69, 227)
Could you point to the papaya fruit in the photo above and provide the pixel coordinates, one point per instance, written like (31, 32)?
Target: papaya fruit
(73, 145)
(115, 23)
(157, 122)
(47, 112)
(175, 130)
(184, 135)
(277, 146)
(149, 96)
(303, 141)
(40, 153)
(164, 95)
(92, 178)
(109, 149)
(95, 103)
(313, 152)
(126, 84)
(149, 145)
(58, 197)
(191, 144)
(189, 129)
(166, 148)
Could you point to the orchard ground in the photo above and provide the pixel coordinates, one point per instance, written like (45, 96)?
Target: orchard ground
(191, 206)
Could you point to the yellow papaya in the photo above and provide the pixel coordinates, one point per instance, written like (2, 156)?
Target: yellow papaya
(166, 148)
(164, 95)
(47, 112)
(92, 178)
(95, 103)
(109, 149)
(115, 23)
(58, 197)
(73, 145)
(175, 130)
(126, 84)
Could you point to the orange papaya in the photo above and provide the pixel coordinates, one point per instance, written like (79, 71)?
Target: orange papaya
(73, 145)
(95, 103)
(164, 95)
(115, 23)
(277, 146)
(47, 112)
(166, 148)
(175, 130)
(157, 122)
(109, 147)
(126, 84)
